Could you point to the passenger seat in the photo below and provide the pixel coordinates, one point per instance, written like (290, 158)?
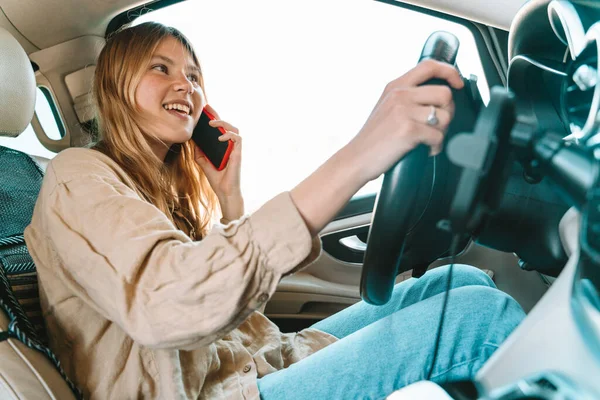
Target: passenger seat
(28, 370)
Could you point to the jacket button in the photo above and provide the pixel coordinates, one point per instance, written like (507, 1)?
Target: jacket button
(247, 368)
(263, 297)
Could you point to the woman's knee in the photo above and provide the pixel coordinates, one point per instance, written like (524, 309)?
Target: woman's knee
(463, 275)
(487, 306)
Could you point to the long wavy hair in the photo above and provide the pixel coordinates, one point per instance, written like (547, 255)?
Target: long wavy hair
(176, 185)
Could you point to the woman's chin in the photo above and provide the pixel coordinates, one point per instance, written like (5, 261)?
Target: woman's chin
(180, 139)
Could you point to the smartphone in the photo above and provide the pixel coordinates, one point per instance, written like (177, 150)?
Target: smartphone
(206, 138)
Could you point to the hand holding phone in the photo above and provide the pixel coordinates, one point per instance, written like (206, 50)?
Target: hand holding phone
(222, 146)
(206, 138)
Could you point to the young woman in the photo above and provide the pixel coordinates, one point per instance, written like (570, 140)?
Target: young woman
(143, 299)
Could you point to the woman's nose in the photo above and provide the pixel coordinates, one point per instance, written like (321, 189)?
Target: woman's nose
(182, 83)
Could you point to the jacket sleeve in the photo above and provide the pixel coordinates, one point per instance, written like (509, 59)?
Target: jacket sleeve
(126, 259)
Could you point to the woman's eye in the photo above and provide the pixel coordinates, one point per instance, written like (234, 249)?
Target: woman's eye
(193, 78)
(160, 67)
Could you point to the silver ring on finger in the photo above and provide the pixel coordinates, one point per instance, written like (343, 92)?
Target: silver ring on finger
(432, 119)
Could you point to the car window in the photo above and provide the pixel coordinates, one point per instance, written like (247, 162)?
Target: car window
(48, 115)
(27, 141)
(299, 79)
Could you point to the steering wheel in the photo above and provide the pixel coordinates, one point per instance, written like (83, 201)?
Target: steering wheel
(407, 205)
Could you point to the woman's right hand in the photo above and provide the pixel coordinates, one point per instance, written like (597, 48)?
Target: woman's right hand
(398, 123)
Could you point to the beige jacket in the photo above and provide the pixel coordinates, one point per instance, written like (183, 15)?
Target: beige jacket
(136, 309)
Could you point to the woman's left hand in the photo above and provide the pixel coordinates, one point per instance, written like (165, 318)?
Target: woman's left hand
(226, 183)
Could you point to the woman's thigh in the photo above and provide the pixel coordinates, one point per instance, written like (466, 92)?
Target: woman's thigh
(404, 295)
(398, 350)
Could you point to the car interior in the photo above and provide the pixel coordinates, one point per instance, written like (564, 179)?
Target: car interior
(514, 192)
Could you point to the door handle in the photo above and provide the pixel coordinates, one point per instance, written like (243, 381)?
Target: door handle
(354, 243)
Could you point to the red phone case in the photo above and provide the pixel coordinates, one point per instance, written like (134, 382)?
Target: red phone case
(229, 144)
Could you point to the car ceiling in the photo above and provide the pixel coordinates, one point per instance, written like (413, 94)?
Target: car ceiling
(42, 24)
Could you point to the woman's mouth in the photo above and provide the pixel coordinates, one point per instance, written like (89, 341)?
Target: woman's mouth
(178, 110)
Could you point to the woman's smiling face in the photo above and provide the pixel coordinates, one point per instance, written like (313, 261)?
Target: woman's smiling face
(169, 96)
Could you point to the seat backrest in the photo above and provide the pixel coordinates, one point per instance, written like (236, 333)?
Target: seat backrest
(28, 370)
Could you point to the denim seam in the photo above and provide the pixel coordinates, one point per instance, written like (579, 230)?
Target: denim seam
(490, 345)
(464, 362)
(455, 366)
(487, 344)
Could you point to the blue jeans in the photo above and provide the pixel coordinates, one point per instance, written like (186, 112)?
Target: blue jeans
(383, 348)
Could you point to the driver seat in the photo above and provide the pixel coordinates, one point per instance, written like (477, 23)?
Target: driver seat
(29, 369)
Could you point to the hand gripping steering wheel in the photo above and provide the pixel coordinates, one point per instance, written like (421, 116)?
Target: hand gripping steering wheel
(408, 197)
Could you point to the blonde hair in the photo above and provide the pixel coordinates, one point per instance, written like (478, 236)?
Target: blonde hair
(176, 185)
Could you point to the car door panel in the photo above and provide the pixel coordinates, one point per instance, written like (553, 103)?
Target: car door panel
(330, 284)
